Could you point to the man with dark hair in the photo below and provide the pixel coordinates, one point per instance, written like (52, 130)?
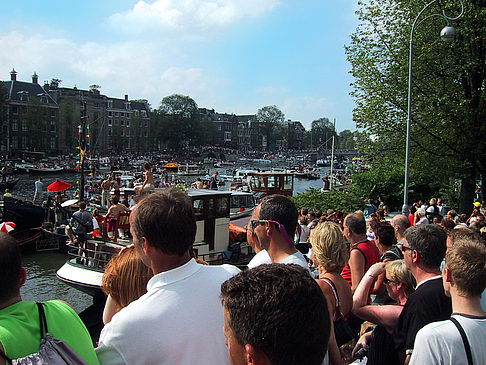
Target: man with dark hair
(400, 223)
(272, 228)
(19, 320)
(179, 319)
(423, 250)
(275, 314)
(464, 279)
(363, 253)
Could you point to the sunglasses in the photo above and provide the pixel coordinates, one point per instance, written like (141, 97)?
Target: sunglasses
(386, 281)
(404, 248)
(255, 222)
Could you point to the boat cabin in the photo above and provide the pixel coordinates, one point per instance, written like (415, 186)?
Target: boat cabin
(269, 182)
(242, 204)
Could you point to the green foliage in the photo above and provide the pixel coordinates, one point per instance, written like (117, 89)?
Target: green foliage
(270, 119)
(345, 201)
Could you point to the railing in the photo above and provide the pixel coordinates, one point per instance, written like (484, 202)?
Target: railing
(94, 254)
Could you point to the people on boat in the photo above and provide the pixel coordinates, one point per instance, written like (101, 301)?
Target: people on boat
(326, 184)
(179, 320)
(111, 215)
(38, 191)
(330, 254)
(198, 184)
(275, 314)
(125, 280)
(273, 225)
(213, 181)
(148, 182)
(116, 187)
(19, 319)
(7, 193)
(106, 186)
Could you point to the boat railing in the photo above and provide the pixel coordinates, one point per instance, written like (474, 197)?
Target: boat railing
(94, 254)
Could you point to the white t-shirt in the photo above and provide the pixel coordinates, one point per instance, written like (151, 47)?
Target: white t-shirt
(296, 258)
(483, 300)
(260, 258)
(178, 321)
(441, 343)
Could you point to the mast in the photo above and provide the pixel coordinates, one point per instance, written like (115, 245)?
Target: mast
(332, 155)
(82, 149)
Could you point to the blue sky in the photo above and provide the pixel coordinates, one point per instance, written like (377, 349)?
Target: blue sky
(235, 56)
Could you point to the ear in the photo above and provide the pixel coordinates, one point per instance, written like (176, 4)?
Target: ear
(146, 246)
(23, 277)
(255, 356)
(447, 274)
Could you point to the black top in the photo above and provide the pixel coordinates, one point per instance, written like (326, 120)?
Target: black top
(427, 304)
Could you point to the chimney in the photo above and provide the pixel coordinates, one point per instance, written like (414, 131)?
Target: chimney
(13, 75)
(126, 97)
(46, 85)
(35, 78)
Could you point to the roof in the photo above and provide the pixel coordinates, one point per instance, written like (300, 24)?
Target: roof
(17, 88)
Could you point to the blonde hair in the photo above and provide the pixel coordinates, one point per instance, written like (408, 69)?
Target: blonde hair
(399, 273)
(329, 248)
(126, 277)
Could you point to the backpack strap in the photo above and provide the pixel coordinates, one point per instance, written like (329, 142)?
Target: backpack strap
(336, 295)
(464, 340)
(42, 320)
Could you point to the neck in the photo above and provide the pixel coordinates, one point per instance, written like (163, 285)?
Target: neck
(10, 301)
(164, 262)
(279, 250)
(354, 239)
(323, 273)
(424, 274)
(466, 305)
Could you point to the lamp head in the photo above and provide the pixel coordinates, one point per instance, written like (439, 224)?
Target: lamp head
(448, 34)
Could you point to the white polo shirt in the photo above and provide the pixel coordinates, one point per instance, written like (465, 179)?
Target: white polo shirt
(178, 321)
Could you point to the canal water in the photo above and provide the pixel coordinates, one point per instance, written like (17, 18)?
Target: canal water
(41, 267)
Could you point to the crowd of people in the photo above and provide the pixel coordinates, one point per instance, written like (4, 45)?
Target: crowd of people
(318, 286)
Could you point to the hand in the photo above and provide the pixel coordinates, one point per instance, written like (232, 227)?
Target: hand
(376, 269)
(362, 343)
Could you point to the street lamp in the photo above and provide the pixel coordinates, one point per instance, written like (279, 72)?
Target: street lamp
(447, 34)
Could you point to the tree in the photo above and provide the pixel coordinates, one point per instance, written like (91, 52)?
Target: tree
(179, 119)
(270, 119)
(322, 132)
(346, 140)
(448, 104)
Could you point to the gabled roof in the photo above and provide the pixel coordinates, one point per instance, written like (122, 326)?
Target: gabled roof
(17, 88)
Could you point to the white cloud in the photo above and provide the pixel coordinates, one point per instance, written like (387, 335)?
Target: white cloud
(306, 109)
(181, 15)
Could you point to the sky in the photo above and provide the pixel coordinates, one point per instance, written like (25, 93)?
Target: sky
(234, 56)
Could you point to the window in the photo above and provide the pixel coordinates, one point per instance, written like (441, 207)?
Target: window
(145, 133)
(136, 112)
(127, 133)
(23, 97)
(53, 126)
(122, 122)
(122, 114)
(15, 125)
(53, 143)
(15, 109)
(110, 114)
(25, 142)
(116, 114)
(128, 123)
(15, 142)
(128, 106)
(123, 133)
(24, 126)
(110, 132)
(128, 115)
(227, 136)
(116, 122)
(145, 124)
(110, 105)
(53, 113)
(96, 105)
(44, 99)
(110, 122)
(144, 113)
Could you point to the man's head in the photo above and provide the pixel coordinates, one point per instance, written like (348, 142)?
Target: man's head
(465, 268)
(400, 223)
(424, 246)
(164, 221)
(354, 227)
(278, 209)
(82, 205)
(385, 234)
(12, 274)
(276, 313)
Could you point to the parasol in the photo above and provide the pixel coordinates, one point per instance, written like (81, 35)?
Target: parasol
(58, 185)
(7, 227)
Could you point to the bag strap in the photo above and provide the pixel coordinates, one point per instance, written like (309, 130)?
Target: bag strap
(7, 359)
(42, 320)
(464, 340)
(336, 295)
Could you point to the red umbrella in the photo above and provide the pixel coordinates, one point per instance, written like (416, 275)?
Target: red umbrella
(7, 227)
(58, 185)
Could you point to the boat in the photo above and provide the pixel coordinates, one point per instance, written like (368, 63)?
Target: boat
(9, 184)
(37, 169)
(191, 170)
(271, 182)
(242, 204)
(23, 213)
(212, 212)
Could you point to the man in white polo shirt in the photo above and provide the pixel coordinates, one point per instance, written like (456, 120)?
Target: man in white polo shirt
(179, 319)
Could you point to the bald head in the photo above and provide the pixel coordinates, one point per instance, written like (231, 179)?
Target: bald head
(400, 223)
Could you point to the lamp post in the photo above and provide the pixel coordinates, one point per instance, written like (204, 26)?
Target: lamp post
(448, 35)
